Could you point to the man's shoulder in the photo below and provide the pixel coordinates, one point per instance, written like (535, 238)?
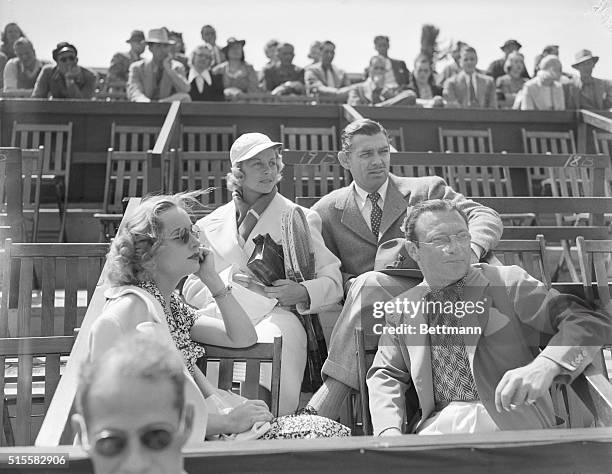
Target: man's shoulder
(415, 184)
(329, 200)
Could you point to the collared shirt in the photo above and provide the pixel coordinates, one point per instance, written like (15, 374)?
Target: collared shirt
(390, 81)
(365, 205)
(200, 77)
(467, 83)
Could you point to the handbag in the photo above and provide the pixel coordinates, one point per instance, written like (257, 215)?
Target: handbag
(267, 260)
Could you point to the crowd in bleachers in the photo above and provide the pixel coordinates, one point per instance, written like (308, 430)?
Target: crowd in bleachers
(215, 73)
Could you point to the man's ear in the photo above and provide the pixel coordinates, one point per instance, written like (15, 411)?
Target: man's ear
(78, 427)
(343, 158)
(413, 250)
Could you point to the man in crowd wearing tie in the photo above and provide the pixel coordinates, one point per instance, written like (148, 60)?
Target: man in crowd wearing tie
(467, 338)
(355, 220)
(205, 86)
(209, 36)
(160, 78)
(469, 88)
(374, 90)
(324, 78)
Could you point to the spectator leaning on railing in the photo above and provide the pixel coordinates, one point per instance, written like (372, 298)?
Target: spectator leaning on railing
(21, 72)
(205, 86)
(323, 78)
(511, 83)
(544, 91)
(469, 88)
(238, 76)
(284, 77)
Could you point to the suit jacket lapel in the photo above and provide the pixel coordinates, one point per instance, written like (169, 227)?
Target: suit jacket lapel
(222, 234)
(475, 286)
(352, 217)
(395, 206)
(268, 223)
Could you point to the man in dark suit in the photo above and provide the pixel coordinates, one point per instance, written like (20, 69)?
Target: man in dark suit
(355, 220)
(204, 85)
(397, 76)
(586, 91)
(469, 88)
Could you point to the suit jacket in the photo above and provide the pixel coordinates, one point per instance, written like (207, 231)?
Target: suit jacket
(361, 94)
(533, 96)
(220, 233)
(517, 309)
(400, 71)
(315, 77)
(141, 80)
(347, 235)
(602, 89)
(456, 90)
(212, 92)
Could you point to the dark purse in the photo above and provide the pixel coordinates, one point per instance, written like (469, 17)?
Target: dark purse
(267, 260)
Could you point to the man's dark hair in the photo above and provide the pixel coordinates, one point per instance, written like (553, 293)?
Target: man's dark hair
(207, 26)
(360, 127)
(433, 205)
(328, 42)
(469, 49)
(381, 37)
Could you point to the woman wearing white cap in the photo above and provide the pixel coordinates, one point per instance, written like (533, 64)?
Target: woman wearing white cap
(257, 209)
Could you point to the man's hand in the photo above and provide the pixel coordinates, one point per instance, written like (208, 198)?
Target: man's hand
(167, 63)
(244, 416)
(287, 292)
(525, 384)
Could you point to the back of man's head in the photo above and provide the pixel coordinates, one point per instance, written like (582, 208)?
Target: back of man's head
(360, 127)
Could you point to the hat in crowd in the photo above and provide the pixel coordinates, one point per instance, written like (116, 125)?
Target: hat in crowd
(159, 36)
(248, 145)
(392, 259)
(231, 41)
(64, 47)
(137, 35)
(511, 42)
(583, 56)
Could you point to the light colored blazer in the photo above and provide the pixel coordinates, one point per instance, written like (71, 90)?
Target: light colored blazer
(533, 94)
(518, 310)
(140, 85)
(456, 90)
(348, 236)
(315, 77)
(220, 233)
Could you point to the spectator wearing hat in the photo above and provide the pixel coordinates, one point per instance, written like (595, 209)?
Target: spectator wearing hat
(284, 77)
(238, 76)
(120, 63)
(209, 36)
(324, 78)
(65, 80)
(544, 91)
(586, 91)
(397, 75)
(160, 78)
(204, 84)
(496, 68)
(511, 83)
(21, 72)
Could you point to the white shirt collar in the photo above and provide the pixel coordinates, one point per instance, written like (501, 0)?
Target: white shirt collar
(204, 75)
(361, 195)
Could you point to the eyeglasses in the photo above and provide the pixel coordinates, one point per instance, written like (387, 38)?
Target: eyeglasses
(185, 234)
(65, 59)
(445, 241)
(110, 443)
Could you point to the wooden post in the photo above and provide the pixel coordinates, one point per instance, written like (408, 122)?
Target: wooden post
(13, 184)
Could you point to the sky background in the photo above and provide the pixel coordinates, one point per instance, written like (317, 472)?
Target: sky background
(99, 28)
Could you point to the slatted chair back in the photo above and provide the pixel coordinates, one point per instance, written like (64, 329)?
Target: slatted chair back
(396, 138)
(595, 258)
(253, 357)
(530, 255)
(133, 138)
(309, 138)
(126, 176)
(31, 172)
(62, 305)
(196, 138)
(28, 383)
(603, 144)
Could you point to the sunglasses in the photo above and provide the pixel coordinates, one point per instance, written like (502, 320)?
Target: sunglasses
(184, 234)
(110, 443)
(65, 59)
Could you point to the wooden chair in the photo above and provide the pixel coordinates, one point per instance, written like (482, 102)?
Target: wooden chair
(229, 361)
(603, 144)
(309, 138)
(28, 384)
(133, 138)
(530, 255)
(196, 138)
(396, 138)
(126, 176)
(57, 143)
(78, 266)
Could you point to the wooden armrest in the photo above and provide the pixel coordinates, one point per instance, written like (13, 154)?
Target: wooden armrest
(595, 391)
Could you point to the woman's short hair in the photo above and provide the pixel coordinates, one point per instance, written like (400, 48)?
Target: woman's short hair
(512, 56)
(235, 177)
(130, 259)
(197, 49)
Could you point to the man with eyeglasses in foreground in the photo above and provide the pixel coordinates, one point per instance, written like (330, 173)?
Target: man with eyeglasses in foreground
(467, 338)
(132, 416)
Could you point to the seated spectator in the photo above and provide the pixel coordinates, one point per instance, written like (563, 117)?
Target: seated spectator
(452, 67)
(374, 91)
(119, 68)
(205, 86)
(284, 77)
(497, 67)
(178, 49)
(11, 33)
(323, 78)
(478, 370)
(422, 82)
(314, 52)
(586, 91)
(551, 49)
(209, 36)
(21, 72)
(469, 88)
(238, 76)
(397, 75)
(544, 91)
(512, 82)
(159, 78)
(65, 80)
(133, 412)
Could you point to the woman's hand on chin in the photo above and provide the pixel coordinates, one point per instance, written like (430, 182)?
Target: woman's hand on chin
(287, 292)
(207, 272)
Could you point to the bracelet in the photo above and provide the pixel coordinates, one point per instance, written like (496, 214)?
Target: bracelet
(223, 293)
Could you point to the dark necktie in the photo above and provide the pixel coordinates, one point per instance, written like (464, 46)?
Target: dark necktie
(376, 215)
(157, 79)
(472, 99)
(376, 95)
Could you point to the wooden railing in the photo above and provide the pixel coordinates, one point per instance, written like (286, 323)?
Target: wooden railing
(168, 138)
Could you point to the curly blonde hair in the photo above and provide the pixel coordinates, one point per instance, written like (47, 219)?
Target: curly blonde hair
(130, 259)
(235, 177)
